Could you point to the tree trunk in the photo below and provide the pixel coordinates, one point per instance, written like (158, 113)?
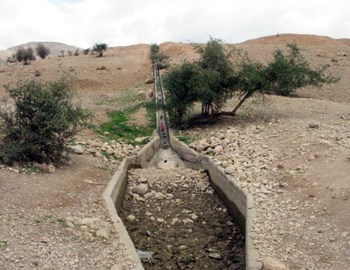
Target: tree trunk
(241, 102)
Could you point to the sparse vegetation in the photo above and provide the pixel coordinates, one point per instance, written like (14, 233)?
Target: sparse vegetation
(3, 244)
(42, 123)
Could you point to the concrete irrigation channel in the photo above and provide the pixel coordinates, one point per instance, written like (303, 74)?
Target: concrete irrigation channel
(181, 210)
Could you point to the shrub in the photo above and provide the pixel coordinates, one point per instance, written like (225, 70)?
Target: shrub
(100, 48)
(24, 55)
(86, 51)
(42, 51)
(157, 57)
(42, 122)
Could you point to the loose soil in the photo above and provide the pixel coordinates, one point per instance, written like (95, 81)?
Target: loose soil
(181, 221)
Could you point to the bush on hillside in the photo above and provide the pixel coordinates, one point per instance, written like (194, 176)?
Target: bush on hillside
(100, 48)
(24, 55)
(41, 123)
(158, 58)
(42, 51)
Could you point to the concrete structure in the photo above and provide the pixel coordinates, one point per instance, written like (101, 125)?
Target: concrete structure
(238, 201)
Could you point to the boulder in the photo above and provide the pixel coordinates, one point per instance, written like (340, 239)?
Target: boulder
(140, 189)
(273, 264)
(149, 81)
(77, 149)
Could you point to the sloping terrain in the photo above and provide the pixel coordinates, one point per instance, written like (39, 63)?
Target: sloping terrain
(292, 154)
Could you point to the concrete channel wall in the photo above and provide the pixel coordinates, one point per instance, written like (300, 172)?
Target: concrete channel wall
(115, 191)
(238, 202)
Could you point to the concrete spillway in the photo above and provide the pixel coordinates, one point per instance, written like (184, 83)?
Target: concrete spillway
(164, 152)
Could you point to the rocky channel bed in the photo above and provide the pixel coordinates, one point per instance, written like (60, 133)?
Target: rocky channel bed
(176, 221)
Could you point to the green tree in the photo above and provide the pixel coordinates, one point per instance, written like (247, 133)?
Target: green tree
(222, 73)
(216, 79)
(181, 92)
(24, 55)
(42, 51)
(100, 48)
(282, 76)
(158, 58)
(42, 122)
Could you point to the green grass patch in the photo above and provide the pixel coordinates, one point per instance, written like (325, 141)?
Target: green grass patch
(120, 129)
(63, 222)
(3, 244)
(185, 139)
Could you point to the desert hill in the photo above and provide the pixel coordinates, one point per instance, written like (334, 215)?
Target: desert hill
(303, 40)
(55, 48)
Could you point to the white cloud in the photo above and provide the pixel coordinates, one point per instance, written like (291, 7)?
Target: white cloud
(85, 22)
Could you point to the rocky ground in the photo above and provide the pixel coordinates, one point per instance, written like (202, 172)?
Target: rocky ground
(50, 224)
(295, 163)
(176, 221)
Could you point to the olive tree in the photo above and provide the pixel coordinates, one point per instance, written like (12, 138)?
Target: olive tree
(100, 47)
(42, 51)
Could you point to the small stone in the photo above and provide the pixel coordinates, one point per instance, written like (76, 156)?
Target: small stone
(174, 220)
(344, 234)
(130, 218)
(88, 221)
(44, 240)
(183, 247)
(148, 195)
(161, 220)
(88, 181)
(159, 196)
(215, 256)
(140, 139)
(70, 224)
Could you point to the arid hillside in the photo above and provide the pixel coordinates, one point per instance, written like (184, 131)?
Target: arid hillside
(292, 154)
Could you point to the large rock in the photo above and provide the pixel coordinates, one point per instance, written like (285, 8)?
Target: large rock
(104, 232)
(44, 167)
(88, 221)
(149, 81)
(78, 149)
(117, 267)
(273, 264)
(218, 149)
(140, 189)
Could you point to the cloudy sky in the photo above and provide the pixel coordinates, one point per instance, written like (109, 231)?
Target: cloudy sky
(125, 22)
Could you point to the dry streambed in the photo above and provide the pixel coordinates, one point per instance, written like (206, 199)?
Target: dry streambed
(176, 221)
